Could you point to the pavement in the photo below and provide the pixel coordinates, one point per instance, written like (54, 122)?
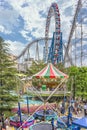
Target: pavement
(12, 128)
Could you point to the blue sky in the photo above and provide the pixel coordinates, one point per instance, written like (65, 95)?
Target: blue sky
(22, 21)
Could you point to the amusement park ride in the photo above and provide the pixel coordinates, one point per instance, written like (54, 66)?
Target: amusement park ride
(54, 49)
(54, 53)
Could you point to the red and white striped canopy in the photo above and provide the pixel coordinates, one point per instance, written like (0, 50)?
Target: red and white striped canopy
(50, 71)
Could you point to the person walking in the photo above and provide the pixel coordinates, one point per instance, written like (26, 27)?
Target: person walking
(52, 123)
(0, 123)
(6, 122)
(2, 120)
(85, 109)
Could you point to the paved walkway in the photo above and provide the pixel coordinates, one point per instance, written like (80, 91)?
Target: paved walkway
(12, 128)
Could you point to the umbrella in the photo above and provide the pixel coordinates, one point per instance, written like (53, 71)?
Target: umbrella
(50, 71)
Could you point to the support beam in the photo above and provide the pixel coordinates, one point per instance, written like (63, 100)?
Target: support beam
(72, 29)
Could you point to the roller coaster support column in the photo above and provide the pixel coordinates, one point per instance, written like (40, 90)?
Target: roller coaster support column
(19, 113)
(60, 51)
(44, 55)
(69, 116)
(27, 105)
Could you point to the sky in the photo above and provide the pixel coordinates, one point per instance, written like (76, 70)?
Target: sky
(22, 21)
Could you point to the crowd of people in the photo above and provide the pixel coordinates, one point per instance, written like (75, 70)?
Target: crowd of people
(77, 107)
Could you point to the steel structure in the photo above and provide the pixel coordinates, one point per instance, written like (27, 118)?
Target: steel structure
(53, 54)
(72, 29)
(24, 60)
(29, 45)
(76, 47)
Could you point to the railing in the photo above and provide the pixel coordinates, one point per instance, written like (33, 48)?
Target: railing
(48, 91)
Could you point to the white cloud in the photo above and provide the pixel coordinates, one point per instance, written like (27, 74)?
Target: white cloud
(24, 34)
(34, 21)
(15, 47)
(8, 18)
(3, 30)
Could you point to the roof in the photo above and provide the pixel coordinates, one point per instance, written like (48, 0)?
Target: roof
(50, 71)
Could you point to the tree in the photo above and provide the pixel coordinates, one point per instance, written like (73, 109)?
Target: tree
(82, 82)
(78, 79)
(7, 78)
(35, 68)
(73, 72)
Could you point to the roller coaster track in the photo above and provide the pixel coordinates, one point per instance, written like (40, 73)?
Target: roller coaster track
(33, 42)
(79, 5)
(29, 45)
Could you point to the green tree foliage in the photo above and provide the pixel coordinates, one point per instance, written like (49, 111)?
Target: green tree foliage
(82, 82)
(61, 67)
(78, 81)
(7, 78)
(36, 67)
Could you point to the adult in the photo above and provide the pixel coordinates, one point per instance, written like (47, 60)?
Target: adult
(85, 109)
(63, 107)
(2, 120)
(6, 122)
(0, 123)
(52, 123)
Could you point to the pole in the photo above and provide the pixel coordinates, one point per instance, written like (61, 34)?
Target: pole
(75, 45)
(81, 40)
(73, 87)
(27, 105)
(68, 121)
(19, 113)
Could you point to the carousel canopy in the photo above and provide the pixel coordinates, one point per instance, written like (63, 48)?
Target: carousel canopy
(50, 71)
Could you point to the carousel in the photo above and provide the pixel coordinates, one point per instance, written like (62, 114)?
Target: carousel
(54, 79)
(51, 79)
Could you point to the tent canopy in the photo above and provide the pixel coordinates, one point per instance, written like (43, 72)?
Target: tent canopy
(81, 122)
(50, 71)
